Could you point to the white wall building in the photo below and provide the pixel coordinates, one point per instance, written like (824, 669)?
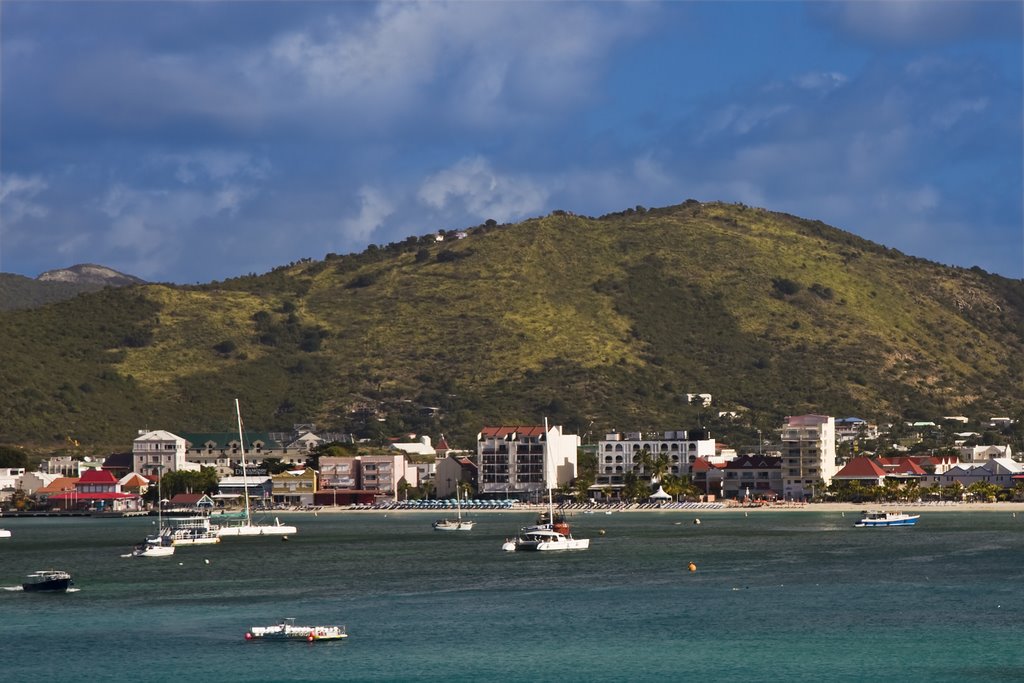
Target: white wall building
(523, 462)
(156, 451)
(984, 453)
(619, 453)
(808, 454)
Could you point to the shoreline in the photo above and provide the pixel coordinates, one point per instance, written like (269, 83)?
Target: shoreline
(948, 506)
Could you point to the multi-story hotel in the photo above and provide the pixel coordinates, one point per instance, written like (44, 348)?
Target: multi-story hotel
(618, 453)
(522, 462)
(808, 455)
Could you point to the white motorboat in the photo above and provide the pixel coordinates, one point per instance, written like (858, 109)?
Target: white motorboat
(287, 630)
(5, 533)
(457, 524)
(245, 526)
(159, 545)
(878, 518)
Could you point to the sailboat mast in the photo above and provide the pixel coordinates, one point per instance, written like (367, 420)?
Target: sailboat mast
(245, 475)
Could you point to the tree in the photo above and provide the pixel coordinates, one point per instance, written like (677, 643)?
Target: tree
(13, 457)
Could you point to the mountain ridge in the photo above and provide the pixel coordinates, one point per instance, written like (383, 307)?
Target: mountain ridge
(608, 320)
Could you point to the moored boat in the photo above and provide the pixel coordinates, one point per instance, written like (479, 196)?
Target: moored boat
(5, 533)
(545, 539)
(873, 518)
(457, 524)
(158, 546)
(194, 530)
(48, 581)
(287, 630)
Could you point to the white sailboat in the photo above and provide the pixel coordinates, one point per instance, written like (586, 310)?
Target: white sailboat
(246, 527)
(553, 536)
(159, 545)
(457, 524)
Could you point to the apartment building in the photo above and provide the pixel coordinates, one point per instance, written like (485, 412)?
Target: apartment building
(523, 461)
(808, 455)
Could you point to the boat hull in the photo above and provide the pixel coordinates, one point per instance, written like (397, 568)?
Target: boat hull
(48, 582)
(880, 523)
(451, 525)
(257, 530)
(288, 631)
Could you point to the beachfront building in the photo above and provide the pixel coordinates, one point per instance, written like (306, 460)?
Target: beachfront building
(221, 450)
(752, 477)
(621, 453)
(294, 487)
(452, 471)
(160, 451)
(351, 479)
(1002, 472)
(97, 489)
(808, 455)
(523, 461)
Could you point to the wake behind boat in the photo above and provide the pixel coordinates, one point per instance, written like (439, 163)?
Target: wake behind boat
(287, 630)
(873, 518)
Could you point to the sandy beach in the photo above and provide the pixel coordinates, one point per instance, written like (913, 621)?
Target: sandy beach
(948, 506)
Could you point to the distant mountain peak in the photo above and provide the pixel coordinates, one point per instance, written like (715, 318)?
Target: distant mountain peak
(90, 274)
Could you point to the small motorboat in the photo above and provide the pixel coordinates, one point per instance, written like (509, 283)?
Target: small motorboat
(5, 533)
(287, 630)
(873, 518)
(48, 581)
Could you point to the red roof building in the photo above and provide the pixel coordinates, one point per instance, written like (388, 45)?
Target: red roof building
(862, 469)
(98, 489)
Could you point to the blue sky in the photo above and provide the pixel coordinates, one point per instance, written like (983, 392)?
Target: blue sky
(194, 141)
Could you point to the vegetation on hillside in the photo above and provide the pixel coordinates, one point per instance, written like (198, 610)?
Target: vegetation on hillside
(594, 323)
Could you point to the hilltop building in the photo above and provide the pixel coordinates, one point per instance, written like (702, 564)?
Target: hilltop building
(523, 462)
(808, 455)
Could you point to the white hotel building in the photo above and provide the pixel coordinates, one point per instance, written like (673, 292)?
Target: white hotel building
(618, 453)
(523, 462)
(808, 455)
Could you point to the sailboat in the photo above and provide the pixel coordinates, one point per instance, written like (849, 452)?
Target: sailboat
(161, 544)
(246, 527)
(457, 524)
(550, 534)
(553, 536)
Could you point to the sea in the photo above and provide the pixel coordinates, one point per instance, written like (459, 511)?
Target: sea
(775, 596)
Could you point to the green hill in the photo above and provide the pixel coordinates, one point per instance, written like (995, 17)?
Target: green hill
(609, 320)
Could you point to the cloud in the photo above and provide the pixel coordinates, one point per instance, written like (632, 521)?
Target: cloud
(17, 198)
(374, 209)
(212, 165)
(919, 22)
(471, 186)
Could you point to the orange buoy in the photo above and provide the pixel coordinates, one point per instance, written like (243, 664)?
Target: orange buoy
(692, 567)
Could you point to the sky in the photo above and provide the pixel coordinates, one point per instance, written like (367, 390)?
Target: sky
(193, 141)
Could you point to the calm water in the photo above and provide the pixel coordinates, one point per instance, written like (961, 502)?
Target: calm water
(795, 596)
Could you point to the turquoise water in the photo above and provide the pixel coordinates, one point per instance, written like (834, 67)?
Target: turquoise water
(794, 596)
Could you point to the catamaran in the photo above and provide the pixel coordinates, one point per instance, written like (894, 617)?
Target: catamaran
(554, 535)
(246, 526)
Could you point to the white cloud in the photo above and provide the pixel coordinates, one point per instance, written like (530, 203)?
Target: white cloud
(17, 198)
(213, 164)
(373, 211)
(481, 192)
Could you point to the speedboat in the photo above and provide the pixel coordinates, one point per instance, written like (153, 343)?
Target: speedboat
(5, 533)
(287, 630)
(884, 518)
(48, 581)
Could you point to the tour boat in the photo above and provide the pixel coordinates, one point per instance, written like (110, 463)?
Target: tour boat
(287, 630)
(194, 530)
(883, 518)
(48, 580)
